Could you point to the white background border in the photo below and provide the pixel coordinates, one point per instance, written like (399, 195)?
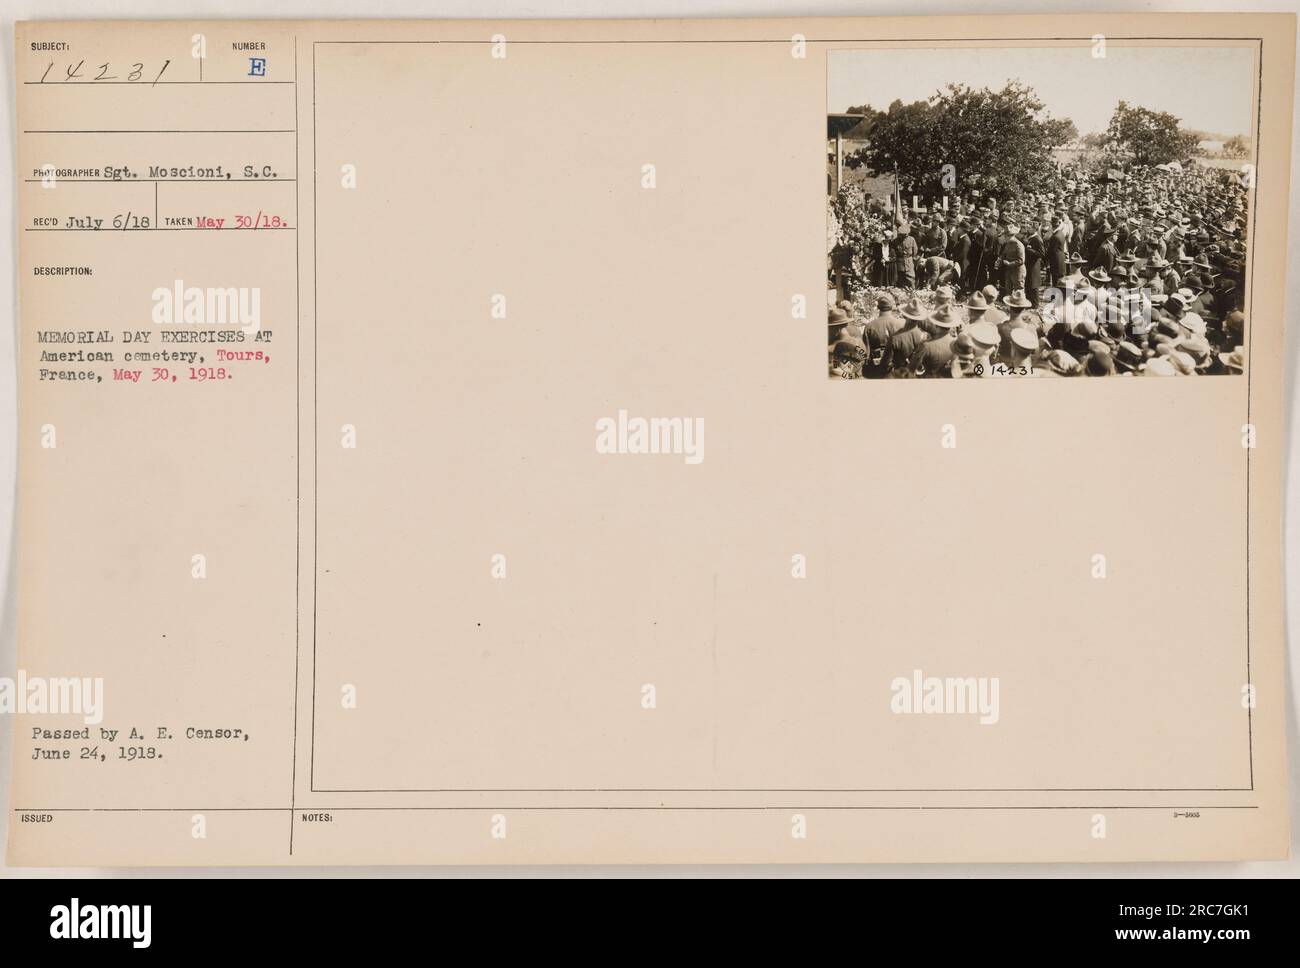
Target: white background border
(14, 10)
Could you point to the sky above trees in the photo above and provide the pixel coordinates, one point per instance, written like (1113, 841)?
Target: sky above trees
(1210, 88)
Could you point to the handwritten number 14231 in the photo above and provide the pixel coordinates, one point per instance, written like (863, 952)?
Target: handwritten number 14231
(103, 72)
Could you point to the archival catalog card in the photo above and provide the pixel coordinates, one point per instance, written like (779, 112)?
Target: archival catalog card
(428, 455)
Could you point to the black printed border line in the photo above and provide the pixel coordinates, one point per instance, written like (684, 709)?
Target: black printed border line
(1011, 43)
(656, 809)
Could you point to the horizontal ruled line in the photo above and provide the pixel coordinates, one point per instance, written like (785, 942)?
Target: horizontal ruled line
(486, 807)
(138, 83)
(785, 790)
(162, 181)
(178, 228)
(938, 41)
(161, 131)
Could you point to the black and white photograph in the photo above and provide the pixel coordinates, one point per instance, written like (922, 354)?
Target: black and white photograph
(1077, 210)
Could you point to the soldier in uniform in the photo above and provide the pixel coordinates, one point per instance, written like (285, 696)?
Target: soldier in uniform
(1107, 254)
(934, 240)
(1016, 305)
(907, 341)
(1058, 254)
(959, 247)
(935, 357)
(1011, 259)
(879, 337)
(905, 253)
(937, 271)
(1018, 352)
(1036, 261)
(984, 336)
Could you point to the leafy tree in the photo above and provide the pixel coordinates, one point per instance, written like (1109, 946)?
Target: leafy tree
(863, 128)
(1062, 131)
(1236, 147)
(997, 141)
(1148, 137)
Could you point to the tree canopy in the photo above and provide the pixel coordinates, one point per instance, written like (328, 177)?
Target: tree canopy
(1236, 147)
(1149, 137)
(996, 141)
(1001, 141)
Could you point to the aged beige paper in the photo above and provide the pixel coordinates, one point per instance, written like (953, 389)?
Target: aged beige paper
(426, 456)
